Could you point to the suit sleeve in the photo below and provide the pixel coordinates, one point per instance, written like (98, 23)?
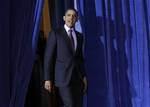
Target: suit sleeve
(50, 57)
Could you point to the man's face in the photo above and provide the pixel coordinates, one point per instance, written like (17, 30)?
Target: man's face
(70, 18)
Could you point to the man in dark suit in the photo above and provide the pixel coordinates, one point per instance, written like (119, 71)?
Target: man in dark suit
(64, 62)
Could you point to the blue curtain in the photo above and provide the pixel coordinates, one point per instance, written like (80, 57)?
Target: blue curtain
(4, 54)
(18, 29)
(117, 52)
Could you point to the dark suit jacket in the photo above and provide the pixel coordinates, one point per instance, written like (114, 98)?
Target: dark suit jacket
(60, 58)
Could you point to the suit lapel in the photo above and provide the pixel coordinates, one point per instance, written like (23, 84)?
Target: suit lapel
(67, 39)
(78, 42)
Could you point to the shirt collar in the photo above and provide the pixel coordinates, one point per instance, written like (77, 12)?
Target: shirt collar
(67, 28)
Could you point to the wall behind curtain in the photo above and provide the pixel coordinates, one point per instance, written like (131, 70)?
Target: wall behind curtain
(57, 9)
(117, 51)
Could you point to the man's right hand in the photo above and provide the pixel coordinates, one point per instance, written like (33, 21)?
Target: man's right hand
(48, 86)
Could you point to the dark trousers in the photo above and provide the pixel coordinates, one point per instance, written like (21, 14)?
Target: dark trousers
(72, 95)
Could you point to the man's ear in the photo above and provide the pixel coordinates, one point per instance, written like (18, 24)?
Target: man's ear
(64, 18)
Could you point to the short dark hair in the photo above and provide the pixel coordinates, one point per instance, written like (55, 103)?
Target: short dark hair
(71, 9)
